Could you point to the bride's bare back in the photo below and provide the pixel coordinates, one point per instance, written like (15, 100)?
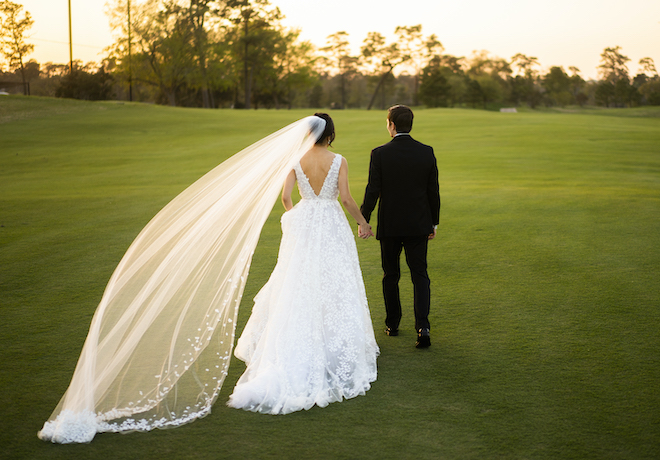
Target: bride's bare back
(316, 164)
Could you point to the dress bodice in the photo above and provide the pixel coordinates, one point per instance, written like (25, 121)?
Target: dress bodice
(330, 188)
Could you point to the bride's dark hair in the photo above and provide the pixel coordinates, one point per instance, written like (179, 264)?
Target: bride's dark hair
(329, 131)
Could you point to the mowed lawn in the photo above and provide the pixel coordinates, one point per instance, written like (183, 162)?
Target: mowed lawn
(545, 281)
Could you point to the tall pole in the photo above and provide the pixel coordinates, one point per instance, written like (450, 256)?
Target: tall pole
(70, 42)
(130, 70)
(247, 70)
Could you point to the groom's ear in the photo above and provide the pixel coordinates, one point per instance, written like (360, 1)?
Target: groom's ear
(391, 127)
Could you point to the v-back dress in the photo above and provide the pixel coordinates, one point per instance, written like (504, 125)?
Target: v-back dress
(309, 339)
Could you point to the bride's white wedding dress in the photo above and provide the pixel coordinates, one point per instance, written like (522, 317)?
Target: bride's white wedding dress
(159, 344)
(309, 339)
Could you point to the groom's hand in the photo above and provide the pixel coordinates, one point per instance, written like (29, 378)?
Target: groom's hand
(432, 235)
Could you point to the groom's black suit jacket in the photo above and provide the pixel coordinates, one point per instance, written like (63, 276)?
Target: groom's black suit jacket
(403, 174)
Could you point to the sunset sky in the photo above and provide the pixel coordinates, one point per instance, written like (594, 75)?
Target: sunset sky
(562, 32)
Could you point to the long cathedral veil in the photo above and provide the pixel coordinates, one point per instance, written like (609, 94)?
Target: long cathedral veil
(160, 342)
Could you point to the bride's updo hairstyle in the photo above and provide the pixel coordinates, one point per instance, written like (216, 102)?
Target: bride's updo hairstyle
(328, 132)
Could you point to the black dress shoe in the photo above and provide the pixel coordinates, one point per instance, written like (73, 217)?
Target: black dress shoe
(423, 338)
(391, 332)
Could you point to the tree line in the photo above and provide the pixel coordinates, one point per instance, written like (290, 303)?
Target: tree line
(237, 53)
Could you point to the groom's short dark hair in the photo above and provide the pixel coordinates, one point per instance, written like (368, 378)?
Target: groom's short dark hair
(402, 117)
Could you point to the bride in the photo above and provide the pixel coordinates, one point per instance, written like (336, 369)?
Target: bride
(160, 341)
(310, 339)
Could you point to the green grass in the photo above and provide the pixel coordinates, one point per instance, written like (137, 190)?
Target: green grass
(545, 294)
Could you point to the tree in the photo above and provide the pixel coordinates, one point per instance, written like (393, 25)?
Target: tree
(166, 41)
(491, 89)
(527, 69)
(31, 69)
(296, 63)
(222, 66)
(168, 34)
(119, 53)
(557, 85)
(648, 67)
(650, 90)
(526, 64)
(625, 93)
(13, 26)
(198, 13)
(434, 90)
(255, 20)
(86, 85)
(614, 71)
(517, 90)
(382, 58)
(648, 83)
(480, 63)
(194, 51)
(457, 87)
(443, 82)
(453, 63)
(270, 68)
(604, 93)
(488, 78)
(48, 79)
(338, 58)
(163, 44)
(556, 80)
(613, 64)
(577, 86)
(473, 94)
(420, 51)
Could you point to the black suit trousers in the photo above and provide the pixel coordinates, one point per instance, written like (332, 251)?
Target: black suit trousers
(416, 248)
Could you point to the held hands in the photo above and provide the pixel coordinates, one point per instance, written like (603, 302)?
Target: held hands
(364, 231)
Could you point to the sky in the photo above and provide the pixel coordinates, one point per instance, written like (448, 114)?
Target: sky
(561, 32)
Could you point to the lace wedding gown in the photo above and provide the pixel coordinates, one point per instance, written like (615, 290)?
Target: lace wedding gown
(309, 339)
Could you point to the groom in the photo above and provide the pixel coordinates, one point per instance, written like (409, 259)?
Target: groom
(403, 174)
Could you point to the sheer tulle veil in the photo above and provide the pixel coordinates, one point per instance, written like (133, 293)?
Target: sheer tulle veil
(160, 342)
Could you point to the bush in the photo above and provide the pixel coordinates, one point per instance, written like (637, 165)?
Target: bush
(86, 85)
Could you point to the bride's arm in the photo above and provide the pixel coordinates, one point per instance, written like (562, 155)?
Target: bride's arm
(288, 189)
(348, 201)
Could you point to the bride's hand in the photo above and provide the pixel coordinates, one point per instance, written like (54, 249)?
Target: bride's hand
(364, 231)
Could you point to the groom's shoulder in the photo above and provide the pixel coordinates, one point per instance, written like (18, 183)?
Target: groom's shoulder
(422, 145)
(380, 150)
(386, 145)
(416, 145)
